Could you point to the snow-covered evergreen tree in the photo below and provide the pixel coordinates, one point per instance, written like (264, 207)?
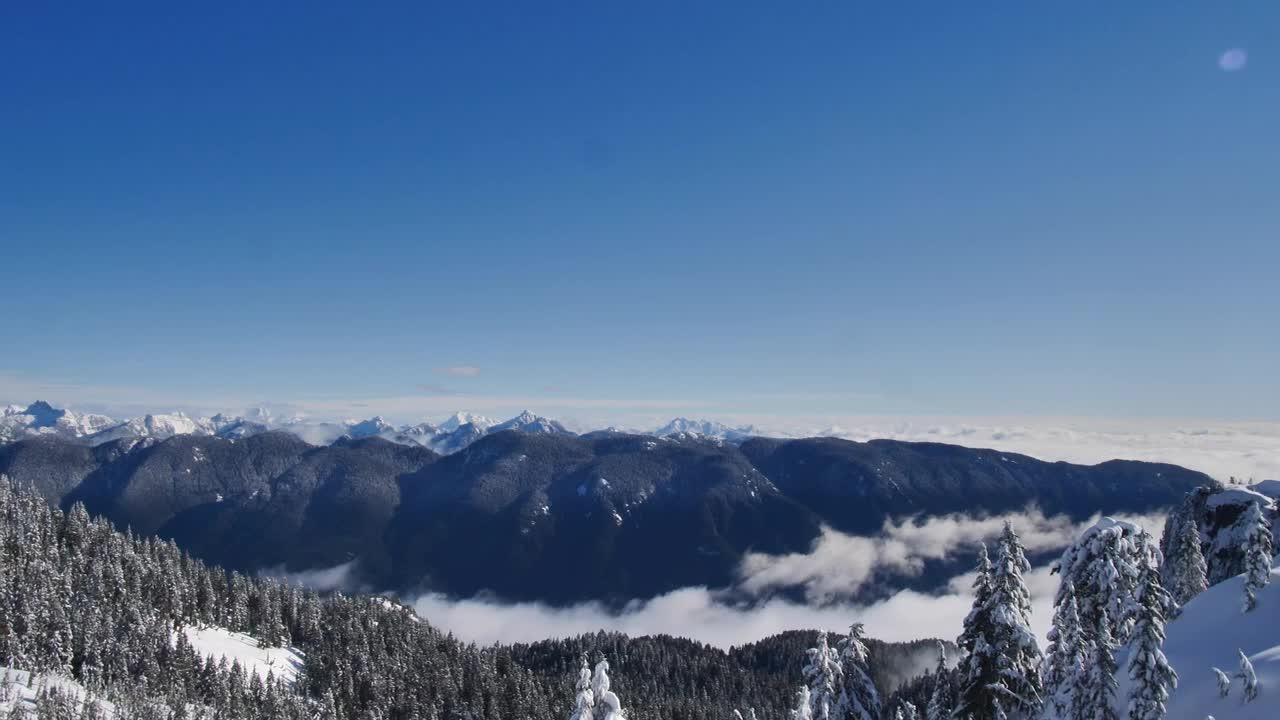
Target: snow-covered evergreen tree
(908, 711)
(1093, 696)
(1185, 572)
(939, 707)
(1104, 567)
(1248, 678)
(584, 698)
(858, 698)
(1257, 555)
(826, 680)
(1064, 657)
(977, 663)
(1006, 665)
(1149, 672)
(804, 705)
(607, 704)
(1224, 682)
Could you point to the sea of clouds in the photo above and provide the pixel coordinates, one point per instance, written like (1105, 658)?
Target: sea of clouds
(835, 568)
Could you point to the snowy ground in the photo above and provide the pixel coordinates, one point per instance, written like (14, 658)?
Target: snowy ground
(17, 689)
(1210, 633)
(283, 663)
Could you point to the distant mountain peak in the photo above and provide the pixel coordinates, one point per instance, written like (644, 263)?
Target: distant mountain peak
(458, 419)
(682, 427)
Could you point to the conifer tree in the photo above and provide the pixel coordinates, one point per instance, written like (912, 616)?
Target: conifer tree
(825, 678)
(584, 699)
(1185, 571)
(977, 666)
(1093, 697)
(858, 698)
(1247, 677)
(940, 700)
(1151, 677)
(1008, 668)
(607, 704)
(804, 705)
(1224, 682)
(1064, 656)
(1257, 554)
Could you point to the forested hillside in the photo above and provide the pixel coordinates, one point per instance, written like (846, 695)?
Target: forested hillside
(554, 518)
(82, 601)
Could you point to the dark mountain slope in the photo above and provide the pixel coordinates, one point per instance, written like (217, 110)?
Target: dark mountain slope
(857, 485)
(605, 517)
(551, 517)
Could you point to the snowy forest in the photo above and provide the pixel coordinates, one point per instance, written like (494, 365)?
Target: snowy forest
(98, 623)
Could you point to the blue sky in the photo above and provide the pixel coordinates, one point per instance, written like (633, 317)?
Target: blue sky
(624, 211)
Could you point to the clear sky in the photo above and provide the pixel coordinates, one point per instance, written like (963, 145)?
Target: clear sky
(623, 210)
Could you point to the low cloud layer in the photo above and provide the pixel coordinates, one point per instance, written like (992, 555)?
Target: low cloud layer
(705, 616)
(837, 565)
(840, 565)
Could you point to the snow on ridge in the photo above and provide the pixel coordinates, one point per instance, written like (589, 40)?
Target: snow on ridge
(1209, 633)
(284, 663)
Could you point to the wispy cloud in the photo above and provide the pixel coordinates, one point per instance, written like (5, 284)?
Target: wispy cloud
(1233, 60)
(460, 371)
(839, 565)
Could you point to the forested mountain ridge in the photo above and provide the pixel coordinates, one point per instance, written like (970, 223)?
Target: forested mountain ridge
(81, 600)
(512, 513)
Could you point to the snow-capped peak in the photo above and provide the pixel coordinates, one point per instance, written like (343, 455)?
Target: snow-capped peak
(683, 427)
(459, 419)
(530, 423)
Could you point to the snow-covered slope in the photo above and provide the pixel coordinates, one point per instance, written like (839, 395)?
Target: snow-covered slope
(19, 690)
(283, 663)
(1211, 632)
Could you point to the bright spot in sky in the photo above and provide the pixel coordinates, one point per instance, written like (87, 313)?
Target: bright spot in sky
(1234, 59)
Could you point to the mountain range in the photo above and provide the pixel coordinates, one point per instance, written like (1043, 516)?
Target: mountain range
(531, 512)
(40, 419)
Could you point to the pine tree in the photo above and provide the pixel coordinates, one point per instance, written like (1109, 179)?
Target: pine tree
(584, 700)
(858, 698)
(1224, 682)
(804, 705)
(1064, 658)
(1257, 554)
(1105, 566)
(940, 701)
(823, 673)
(1248, 677)
(1093, 697)
(1008, 668)
(1185, 572)
(1149, 672)
(909, 711)
(977, 665)
(605, 699)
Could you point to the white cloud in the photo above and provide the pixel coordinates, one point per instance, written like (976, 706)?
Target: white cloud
(839, 565)
(338, 577)
(462, 371)
(706, 616)
(1233, 60)
(1247, 449)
